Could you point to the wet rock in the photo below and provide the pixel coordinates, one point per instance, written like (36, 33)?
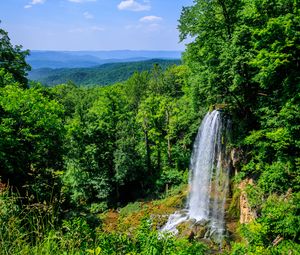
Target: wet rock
(202, 222)
(235, 157)
(191, 236)
(214, 236)
(192, 221)
(185, 229)
(200, 231)
(193, 228)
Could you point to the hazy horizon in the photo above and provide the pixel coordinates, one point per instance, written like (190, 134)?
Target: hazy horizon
(134, 50)
(57, 59)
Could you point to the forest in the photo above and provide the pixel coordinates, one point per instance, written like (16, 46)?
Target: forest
(92, 170)
(100, 75)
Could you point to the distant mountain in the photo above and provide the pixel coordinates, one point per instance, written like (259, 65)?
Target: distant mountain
(100, 75)
(73, 59)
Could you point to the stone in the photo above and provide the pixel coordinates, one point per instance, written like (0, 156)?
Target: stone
(247, 214)
(202, 222)
(200, 231)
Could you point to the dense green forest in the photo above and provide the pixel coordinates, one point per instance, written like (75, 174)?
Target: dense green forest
(71, 157)
(101, 75)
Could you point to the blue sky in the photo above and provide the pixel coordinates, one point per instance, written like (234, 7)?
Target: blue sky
(93, 24)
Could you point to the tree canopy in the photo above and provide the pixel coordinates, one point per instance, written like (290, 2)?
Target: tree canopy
(12, 60)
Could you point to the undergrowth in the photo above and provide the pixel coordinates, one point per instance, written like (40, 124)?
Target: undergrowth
(29, 231)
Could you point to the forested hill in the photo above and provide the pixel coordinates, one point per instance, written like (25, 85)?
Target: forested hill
(78, 59)
(100, 75)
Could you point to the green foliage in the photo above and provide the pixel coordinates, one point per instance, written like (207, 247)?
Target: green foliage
(275, 178)
(12, 60)
(76, 237)
(234, 210)
(105, 74)
(276, 148)
(254, 195)
(77, 233)
(279, 220)
(130, 208)
(171, 178)
(11, 224)
(150, 242)
(245, 54)
(124, 138)
(31, 134)
(280, 215)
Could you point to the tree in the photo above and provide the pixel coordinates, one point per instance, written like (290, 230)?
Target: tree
(31, 135)
(135, 88)
(212, 24)
(12, 59)
(245, 55)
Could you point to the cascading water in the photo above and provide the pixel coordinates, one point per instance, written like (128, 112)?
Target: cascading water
(209, 178)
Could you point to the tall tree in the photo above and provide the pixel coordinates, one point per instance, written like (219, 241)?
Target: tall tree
(12, 59)
(31, 135)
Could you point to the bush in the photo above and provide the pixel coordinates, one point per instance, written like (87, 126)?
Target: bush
(279, 221)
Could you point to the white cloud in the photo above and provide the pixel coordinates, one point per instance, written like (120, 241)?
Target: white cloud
(145, 28)
(151, 19)
(132, 5)
(81, 1)
(34, 2)
(88, 15)
(147, 23)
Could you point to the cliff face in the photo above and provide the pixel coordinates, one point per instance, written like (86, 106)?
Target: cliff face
(235, 159)
(246, 213)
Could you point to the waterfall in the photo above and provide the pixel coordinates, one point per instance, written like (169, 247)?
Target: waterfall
(208, 180)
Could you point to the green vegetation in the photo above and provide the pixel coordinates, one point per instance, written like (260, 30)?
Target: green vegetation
(12, 60)
(105, 74)
(246, 55)
(69, 153)
(25, 231)
(71, 157)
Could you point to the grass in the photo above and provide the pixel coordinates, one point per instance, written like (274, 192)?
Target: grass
(132, 230)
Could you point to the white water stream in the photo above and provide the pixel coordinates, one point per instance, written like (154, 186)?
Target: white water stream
(208, 180)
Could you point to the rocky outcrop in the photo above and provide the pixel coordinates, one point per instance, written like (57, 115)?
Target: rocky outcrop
(235, 157)
(247, 214)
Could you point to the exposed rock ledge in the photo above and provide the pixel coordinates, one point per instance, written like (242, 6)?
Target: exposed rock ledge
(246, 213)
